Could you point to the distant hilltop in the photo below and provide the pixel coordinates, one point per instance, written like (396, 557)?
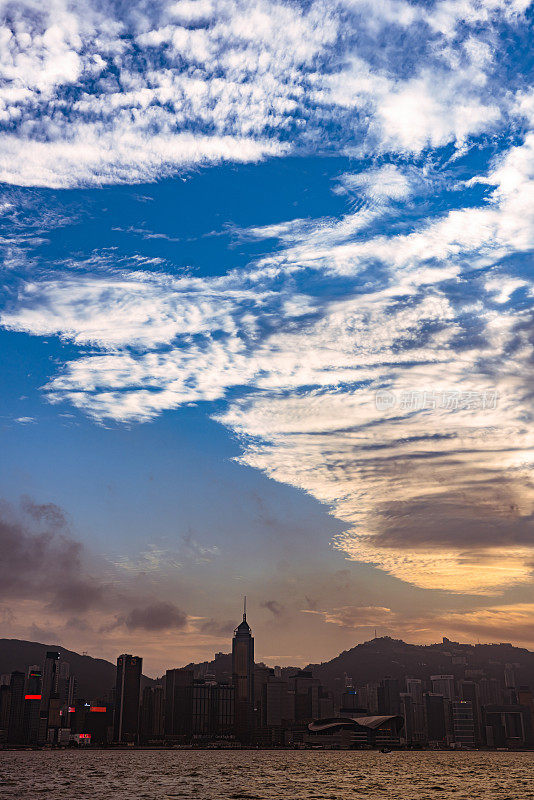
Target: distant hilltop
(386, 657)
(383, 657)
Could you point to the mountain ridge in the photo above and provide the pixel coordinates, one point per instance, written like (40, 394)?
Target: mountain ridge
(366, 662)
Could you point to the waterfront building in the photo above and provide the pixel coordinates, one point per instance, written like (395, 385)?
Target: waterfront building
(276, 708)
(197, 709)
(435, 722)
(243, 679)
(127, 698)
(469, 691)
(5, 703)
(91, 720)
(358, 731)
(152, 714)
(507, 726)
(463, 724)
(17, 684)
(50, 678)
(213, 714)
(32, 705)
(178, 704)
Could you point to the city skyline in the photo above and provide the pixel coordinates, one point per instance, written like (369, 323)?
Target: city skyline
(458, 697)
(266, 324)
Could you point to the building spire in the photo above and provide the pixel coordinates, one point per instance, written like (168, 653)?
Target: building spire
(245, 608)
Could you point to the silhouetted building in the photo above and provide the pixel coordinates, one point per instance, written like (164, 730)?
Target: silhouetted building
(276, 709)
(305, 690)
(32, 705)
(350, 700)
(196, 709)
(507, 726)
(49, 690)
(463, 725)
(413, 711)
(127, 698)
(525, 697)
(66, 684)
(368, 697)
(91, 720)
(5, 704)
(509, 676)
(435, 722)
(444, 685)
(490, 692)
(358, 731)
(243, 679)
(15, 732)
(213, 711)
(414, 687)
(152, 714)
(469, 691)
(178, 704)
(326, 703)
(389, 696)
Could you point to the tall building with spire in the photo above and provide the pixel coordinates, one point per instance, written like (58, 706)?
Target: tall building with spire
(243, 678)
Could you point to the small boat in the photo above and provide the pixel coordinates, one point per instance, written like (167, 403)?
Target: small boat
(386, 750)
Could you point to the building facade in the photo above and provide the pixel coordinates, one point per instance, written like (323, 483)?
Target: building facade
(127, 698)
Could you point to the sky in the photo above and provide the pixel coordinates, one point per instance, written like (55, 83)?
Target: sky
(266, 324)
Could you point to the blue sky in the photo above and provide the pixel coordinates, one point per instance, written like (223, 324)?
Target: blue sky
(266, 323)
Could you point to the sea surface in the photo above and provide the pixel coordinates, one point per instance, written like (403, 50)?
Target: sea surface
(265, 775)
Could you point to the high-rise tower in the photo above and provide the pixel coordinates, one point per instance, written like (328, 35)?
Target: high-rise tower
(127, 698)
(243, 678)
(49, 686)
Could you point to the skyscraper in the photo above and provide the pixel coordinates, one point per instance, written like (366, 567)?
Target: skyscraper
(436, 725)
(32, 705)
(5, 704)
(179, 703)
(463, 724)
(389, 696)
(243, 678)
(15, 734)
(49, 688)
(127, 696)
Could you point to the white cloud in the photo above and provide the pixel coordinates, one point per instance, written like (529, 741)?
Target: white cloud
(96, 94)
(381, 184)
(83, 106)
(130, 158)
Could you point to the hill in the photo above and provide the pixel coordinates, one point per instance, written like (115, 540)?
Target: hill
(95, 676)
(368, 662)
(371, 661)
